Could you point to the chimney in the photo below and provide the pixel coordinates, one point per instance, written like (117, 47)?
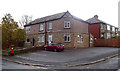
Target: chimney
(96, 16)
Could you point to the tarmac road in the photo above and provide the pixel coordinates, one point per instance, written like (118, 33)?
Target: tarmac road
(68, 56)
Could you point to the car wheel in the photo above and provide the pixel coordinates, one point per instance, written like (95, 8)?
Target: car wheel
(55, 50)
(45, 49)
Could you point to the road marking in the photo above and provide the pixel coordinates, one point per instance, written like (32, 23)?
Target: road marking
(41, 68)
(39, 54)
(24, 57)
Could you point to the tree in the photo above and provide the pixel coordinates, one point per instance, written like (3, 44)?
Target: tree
(8, 27)
(25, 20)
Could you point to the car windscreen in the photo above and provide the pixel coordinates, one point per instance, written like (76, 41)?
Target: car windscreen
(58, 44)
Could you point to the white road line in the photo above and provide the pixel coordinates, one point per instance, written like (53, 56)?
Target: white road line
(24, 57)
(41, 68)
(39, 54)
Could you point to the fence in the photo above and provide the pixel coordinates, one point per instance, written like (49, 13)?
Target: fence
(107, 42)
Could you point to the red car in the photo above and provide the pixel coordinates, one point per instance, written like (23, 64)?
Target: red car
(54, 47)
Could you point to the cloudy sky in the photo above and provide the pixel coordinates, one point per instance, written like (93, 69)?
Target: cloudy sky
(107, 10)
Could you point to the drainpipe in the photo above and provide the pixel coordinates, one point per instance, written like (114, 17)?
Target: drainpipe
(89, 33)
(45, 32)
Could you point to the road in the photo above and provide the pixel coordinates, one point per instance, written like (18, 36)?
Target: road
(75, 56)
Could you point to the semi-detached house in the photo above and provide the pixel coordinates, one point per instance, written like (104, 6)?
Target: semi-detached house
(58, 28)
(100, 29)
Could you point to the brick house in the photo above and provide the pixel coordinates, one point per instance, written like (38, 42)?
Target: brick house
(58, 28)
(100, 29)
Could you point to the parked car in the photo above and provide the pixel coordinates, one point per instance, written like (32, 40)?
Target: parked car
(54, 47)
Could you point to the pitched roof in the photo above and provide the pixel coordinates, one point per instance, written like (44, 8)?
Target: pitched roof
(52, 17)
(48, 18)
(95, 20)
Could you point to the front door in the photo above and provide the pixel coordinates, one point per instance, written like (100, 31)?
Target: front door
(33, 41)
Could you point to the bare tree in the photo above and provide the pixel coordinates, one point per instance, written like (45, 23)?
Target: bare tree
(25, 20)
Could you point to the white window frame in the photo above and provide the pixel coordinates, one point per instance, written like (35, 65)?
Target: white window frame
(49, 26)
(102, 26)
(27, 29)
(80, 38)
(91, 40)
(49, 38)
(68, 38)
(108, 27)
(113, 29)
(41, 38)
(41, 27)
(66, 24)
(108, 35)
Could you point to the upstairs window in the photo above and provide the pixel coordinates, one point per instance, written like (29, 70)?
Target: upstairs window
(102, 26)
(66, 24)
(27, 29)
(116, 30)
(41, 38)
(67, 37)
(50, 26)
(113, 29)
(108, 27)
(41, 27)
(80, 38)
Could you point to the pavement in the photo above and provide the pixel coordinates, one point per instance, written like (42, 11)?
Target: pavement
(67, 57)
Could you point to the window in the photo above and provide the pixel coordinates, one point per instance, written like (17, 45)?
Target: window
(108, 27)
(91, 39)
(67, 37)
(50, 26)
(80, 38)
(27, 29)
(27, 40)
(102, 35)
(66, 24)
(49, 38)
(41, 38)
(102, 26)
(41, 27)
(113, 28)
(108, 35)
(51, 44)
(116, 30)
(113, 35)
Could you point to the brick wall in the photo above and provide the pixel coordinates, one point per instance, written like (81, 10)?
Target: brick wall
(107, 42)
(95, 30)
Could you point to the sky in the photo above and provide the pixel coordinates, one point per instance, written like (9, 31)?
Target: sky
(107, 10)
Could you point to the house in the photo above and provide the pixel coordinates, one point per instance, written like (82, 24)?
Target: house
(100, 29)
(58, 28)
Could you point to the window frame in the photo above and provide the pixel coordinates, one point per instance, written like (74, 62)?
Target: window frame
(41, 38)
(91, 40)
(67, 36)
(27, 29)
(51, 37)
(66, 24)
(113, 28)
(108, 27)
(108, 35)
(50, 26)
(80, 38)
(41, 29)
